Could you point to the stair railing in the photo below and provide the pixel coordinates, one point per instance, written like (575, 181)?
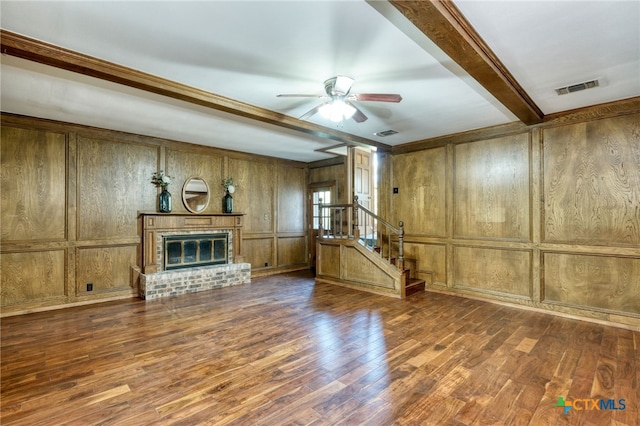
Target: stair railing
(334, 223)
(334, 220)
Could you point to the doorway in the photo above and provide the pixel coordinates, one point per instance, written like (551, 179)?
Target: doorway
(364, 166)
(324, 193)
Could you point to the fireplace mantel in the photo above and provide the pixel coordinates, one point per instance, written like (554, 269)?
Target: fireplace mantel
(155, 224)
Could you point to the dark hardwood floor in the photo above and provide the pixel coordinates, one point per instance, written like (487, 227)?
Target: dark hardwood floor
(284, 350)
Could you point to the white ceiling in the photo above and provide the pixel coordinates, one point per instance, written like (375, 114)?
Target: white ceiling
(253, 51)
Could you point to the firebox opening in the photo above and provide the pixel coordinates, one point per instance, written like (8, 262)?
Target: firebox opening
(189, 251)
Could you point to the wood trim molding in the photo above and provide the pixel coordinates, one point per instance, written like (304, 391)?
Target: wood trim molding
(28, 122)
(462, 137)
(595, 112)
(48, 54)
(443, 24)
(154, 224)
(333, 161)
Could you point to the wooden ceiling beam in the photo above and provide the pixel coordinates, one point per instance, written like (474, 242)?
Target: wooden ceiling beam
(48, 54)
(445, 26)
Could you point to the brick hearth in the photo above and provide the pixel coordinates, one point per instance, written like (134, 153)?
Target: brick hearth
(192, 280)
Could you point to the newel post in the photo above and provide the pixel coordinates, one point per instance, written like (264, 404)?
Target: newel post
(356, 228)
(401, 247)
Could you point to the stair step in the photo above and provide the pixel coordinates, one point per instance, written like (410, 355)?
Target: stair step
(414, 286)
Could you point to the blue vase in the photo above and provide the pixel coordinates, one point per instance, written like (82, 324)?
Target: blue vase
(164, 201)
(227, 203)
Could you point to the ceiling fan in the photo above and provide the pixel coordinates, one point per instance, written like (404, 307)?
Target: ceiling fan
(339, 105)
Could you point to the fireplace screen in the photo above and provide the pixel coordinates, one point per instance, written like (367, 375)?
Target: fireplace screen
(188, 251)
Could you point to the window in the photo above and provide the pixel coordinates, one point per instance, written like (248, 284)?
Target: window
(321, 195)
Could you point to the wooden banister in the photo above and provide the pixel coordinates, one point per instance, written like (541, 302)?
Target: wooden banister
(362, 217)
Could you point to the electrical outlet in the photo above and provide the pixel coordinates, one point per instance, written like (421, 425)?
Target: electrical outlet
(89, 286)
(266, 264)
(395, 190)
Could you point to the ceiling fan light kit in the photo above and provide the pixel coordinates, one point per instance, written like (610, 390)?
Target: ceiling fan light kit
(339, 105)
(337, 110)
(338, 86)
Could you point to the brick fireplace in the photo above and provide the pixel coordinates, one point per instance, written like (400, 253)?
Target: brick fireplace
(187, 253)
(194, 250)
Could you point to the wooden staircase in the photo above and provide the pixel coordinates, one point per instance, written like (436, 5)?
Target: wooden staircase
(346, 259)
(412, 285)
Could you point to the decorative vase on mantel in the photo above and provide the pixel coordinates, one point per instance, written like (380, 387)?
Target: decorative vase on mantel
(164, 201)
(227, 203)
(164, 198)
(227, 200)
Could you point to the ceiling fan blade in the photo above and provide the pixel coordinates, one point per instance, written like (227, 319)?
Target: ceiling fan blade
(299, 95)
(312, 111)
(358, 116)
(376, 97)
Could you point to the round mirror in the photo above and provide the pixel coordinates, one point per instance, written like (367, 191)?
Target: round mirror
(195, 194)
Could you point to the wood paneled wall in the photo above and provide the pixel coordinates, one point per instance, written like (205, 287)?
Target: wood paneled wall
(546, 216)
(275, 236)
(70, 198)
(334, 171)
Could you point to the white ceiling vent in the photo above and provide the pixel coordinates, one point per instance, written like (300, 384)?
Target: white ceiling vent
(385, 133)
(577, 87)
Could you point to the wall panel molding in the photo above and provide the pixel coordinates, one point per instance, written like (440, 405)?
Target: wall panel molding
(33, 278)
(605, 283)
(491, 189)
(571, 202)
(503, 271)
(592, 183)
(34, 185)
(114, 183)
(85, 188)
(421, 181)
